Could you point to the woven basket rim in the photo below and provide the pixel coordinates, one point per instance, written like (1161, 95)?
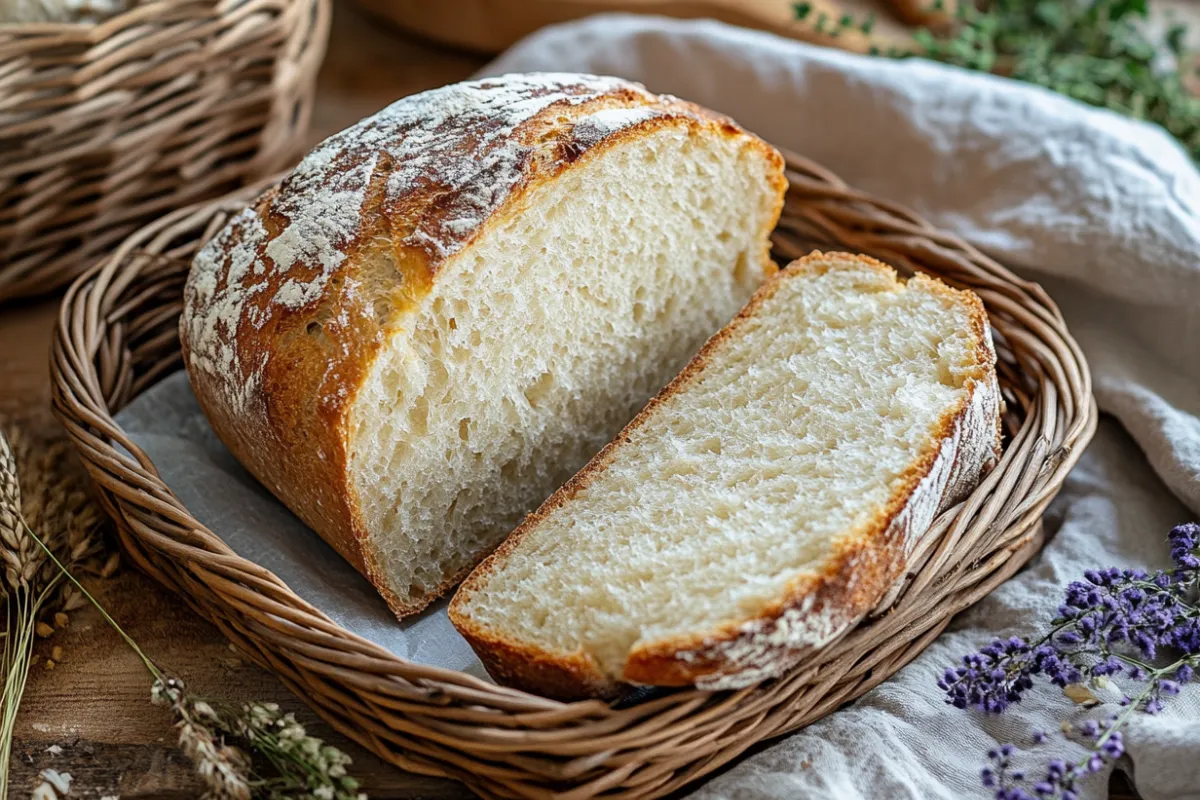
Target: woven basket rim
(137, 12)
(116, 336)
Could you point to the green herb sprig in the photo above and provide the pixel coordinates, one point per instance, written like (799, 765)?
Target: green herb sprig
(1095, 51)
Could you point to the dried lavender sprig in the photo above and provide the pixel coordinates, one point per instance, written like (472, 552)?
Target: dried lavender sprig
(1102, 617)
(1112, 622)
(1061, 779)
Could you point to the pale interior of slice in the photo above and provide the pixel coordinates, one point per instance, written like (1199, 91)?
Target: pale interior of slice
(795, 432)
(540, 341)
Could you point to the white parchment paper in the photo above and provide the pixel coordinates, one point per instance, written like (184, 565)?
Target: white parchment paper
(167, 423)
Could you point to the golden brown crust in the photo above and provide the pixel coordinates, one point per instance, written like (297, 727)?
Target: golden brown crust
(282, 322)
(866, 561)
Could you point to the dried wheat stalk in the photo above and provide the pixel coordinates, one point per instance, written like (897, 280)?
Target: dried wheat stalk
(42, 492)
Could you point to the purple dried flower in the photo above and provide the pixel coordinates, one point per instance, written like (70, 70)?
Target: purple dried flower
(1184, 636)
(1051, 663)
(1185, 539)
(992, 678)
(1116, 606)
(1160, 686)
(1114, 746)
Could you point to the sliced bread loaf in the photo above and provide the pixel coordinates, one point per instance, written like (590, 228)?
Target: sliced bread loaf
(446, 309)
(761, 503)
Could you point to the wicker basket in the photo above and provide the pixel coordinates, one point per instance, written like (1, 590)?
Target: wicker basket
(105, 127)
(117, 336)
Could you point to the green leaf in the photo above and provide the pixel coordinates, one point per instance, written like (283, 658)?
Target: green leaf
(802, 10)
(1123, 8)
(1175, 39)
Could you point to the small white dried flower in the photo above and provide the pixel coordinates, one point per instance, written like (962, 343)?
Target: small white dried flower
(259, 715)
(60, 781)
(314, 769)
(203, 710)
(292, 731)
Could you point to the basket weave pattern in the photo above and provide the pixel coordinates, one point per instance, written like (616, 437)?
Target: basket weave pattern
(105, 127)
(117, 336)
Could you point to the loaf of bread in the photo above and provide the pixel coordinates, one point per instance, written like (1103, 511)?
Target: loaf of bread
(446, 309)
(761, 504)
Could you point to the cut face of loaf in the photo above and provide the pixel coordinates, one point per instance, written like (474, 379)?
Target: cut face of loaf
(445, 310)
(758, 506)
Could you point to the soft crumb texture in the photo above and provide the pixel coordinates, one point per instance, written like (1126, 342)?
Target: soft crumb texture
(792, 435)
(538, 344)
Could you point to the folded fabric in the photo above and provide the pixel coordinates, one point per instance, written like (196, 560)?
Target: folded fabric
(1105, 212)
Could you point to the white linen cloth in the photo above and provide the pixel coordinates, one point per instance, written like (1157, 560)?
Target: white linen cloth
(1104, 211)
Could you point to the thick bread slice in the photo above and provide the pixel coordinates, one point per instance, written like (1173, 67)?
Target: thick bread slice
(762, 503)
(446, 309)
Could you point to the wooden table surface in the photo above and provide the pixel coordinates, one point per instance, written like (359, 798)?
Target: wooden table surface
(94, 704)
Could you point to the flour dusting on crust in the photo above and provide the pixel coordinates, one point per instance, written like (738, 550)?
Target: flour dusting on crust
(594, 128)
(222, 284)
